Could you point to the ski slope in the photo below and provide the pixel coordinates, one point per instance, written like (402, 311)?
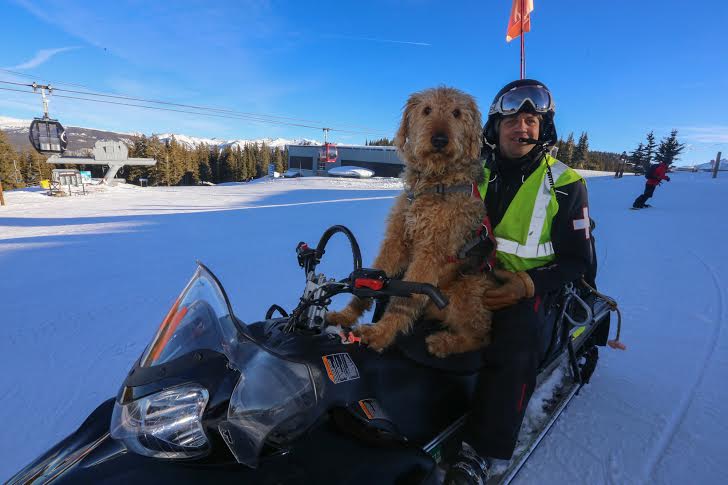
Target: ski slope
(85, 281)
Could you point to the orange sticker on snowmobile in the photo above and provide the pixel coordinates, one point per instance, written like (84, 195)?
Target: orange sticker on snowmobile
(372, 409)
(340, 368)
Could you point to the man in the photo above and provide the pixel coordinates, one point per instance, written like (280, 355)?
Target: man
(655, 174)
(540, 214)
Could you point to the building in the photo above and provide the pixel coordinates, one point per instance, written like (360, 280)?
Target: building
(384, 161)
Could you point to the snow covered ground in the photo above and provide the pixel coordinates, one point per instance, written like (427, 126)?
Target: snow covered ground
(85, 280)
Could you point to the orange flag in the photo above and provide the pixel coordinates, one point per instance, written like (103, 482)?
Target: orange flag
(514, 23)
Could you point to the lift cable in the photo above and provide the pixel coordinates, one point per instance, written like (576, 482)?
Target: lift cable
(258, 116)
(231, 115)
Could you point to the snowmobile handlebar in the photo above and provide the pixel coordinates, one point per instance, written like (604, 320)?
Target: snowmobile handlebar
(372, 283)
(309, 258)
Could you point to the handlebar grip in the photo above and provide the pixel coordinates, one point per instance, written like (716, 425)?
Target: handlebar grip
(406, 288)
(435, 295)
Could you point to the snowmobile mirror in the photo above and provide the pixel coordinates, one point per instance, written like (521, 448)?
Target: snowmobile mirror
(47, 136)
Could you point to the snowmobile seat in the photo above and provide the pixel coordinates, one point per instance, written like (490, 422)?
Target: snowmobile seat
(414, 347)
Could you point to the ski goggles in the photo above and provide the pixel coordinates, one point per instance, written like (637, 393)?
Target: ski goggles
(512, 101)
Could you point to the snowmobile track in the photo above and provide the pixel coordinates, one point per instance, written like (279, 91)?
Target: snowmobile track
(673, 424)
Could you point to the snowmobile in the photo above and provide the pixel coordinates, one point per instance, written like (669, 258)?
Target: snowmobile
(291, 400)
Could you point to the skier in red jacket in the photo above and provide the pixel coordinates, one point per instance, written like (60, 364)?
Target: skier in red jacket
(655, 174)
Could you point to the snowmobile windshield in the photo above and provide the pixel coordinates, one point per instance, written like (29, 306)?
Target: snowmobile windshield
(200, 318)
(270, 403)
(273, 395)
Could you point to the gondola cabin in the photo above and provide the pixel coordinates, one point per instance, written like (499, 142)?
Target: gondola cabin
(47, 136)
(327, 154)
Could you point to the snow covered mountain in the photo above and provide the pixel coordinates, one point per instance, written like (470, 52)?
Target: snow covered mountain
(709, 165)
(193, 141)
(79, 138)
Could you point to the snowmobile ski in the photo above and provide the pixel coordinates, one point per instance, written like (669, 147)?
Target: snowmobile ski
(525, 449)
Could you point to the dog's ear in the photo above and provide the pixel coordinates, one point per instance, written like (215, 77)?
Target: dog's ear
(475, 138)
(400, 139)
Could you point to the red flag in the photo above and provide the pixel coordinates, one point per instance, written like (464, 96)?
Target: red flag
(515, 26)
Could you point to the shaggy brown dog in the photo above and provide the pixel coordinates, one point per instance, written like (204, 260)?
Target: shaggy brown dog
(439, 139)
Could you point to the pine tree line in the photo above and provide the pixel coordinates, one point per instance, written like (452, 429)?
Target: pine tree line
(578, 155)
(382, 142)
(648, 152)
(180, 165)
(176, 163)
(21, 169)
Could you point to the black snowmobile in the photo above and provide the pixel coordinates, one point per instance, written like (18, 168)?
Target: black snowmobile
(290, 400)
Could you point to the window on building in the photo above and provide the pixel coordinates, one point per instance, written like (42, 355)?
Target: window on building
(305, 163)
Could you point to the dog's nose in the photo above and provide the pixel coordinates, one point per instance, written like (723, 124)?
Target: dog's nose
(440, 140)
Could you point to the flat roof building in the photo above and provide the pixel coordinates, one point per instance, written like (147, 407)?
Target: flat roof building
(382, 160)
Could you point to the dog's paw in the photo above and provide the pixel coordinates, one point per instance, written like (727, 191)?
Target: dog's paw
(440, 344)
(346, 317)
(375, 336)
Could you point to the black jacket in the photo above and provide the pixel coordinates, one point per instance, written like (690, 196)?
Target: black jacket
(570, 229)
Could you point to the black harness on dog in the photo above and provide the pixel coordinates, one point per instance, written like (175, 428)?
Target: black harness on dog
(484, 240)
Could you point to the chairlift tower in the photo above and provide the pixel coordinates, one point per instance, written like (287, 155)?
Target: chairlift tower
(49, 138)
(115, 154)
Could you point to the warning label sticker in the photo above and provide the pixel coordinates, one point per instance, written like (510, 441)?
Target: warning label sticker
(340, 368)
(371, 409)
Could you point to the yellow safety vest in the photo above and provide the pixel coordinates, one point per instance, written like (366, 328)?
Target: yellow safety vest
(523, 236)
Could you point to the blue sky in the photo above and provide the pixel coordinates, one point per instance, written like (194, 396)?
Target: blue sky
(617, 69)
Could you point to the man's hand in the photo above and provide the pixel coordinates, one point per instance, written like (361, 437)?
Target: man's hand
(515, 286)
(667, 178)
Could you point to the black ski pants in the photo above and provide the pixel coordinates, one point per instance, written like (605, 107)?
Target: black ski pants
(649, 191)
(506, 383)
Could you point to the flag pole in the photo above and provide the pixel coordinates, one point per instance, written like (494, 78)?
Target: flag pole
(523, 41)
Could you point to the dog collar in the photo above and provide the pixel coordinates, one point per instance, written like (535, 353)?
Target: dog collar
(441, 189)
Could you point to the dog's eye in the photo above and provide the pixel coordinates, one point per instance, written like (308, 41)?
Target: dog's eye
(427, 110)
(456, 113)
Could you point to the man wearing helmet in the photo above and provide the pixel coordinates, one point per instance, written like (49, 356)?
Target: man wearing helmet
(540, 214)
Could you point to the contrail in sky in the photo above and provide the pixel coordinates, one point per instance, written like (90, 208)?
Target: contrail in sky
(424, 44)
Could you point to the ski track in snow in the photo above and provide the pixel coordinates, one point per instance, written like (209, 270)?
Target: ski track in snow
(656, 414)
(681, 410)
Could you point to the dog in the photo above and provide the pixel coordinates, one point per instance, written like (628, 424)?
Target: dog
(439, 139)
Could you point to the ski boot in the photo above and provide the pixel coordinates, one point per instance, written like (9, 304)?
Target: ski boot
(470, 469)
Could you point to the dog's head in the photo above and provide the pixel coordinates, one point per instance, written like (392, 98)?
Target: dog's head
(440, 126)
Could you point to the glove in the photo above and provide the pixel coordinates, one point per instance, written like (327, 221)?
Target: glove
(667, 178)
(514, 287)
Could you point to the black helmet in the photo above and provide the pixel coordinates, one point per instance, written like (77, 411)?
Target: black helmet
(524, 95)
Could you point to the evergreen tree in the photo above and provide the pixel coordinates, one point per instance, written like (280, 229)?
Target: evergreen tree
(649, 153)
(227, 172)
(250, 160)
(214, 162)
(607, 161)
(265, 157)
(637, 157)
(35, 167)
(566, 154)
(278, 160)
(154, 148)
(380, 142)
(581, 153)
(9, 174)
(669, 149)
(137, 149)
